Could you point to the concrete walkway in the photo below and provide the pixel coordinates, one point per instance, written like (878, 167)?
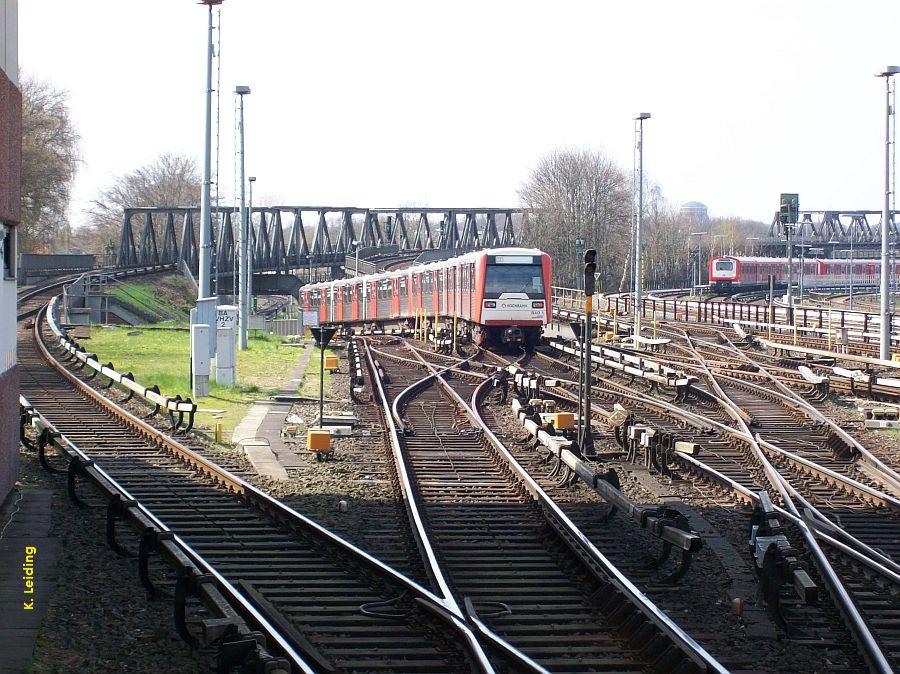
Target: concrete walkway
(259, 432)
(27, 551)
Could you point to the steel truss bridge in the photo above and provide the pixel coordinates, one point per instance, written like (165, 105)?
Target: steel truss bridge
(837, 227)
(288, 238)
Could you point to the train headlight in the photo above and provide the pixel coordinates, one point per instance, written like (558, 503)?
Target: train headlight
(490, 305)
(537, 305)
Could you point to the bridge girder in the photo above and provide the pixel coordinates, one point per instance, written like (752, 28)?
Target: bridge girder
(838, 227)
(338, 231)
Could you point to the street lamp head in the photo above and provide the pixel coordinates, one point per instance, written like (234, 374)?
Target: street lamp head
(698, 233)
(642, 116)
(241, 89)
(252, 179)
(890, 70)
(209, 2)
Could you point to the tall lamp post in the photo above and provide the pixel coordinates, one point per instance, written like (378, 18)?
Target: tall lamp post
(243, 299)
(885, 341)
(205, 219)
(203, 321)
(638, 271)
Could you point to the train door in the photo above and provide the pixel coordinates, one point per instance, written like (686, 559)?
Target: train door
(355, 300)
(395, 296)
(403, 296)
(464, 291)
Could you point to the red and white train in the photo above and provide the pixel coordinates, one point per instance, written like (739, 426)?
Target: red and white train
(501, 295)
(729, 272)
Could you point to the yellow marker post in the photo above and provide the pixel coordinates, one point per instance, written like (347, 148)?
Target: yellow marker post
(615, 314)
(654, 326)
(795, 327)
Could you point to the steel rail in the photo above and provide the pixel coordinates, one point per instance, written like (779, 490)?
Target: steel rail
(250, 493)
(231, 593)
(421, 533)
(571, 533)
(859, 628)
(888, 473)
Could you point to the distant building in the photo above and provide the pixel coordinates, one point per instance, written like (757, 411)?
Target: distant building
(10, 204)
(695, 212)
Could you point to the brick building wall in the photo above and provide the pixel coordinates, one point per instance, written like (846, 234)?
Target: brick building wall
(10, 204)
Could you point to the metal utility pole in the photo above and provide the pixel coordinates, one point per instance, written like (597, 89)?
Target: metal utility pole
(586, 441)
(790, 275)
(243, 299)
(884, 351)
(203, 282)
(638, 271)
(852, 229)
(251, 179)
(696, 265)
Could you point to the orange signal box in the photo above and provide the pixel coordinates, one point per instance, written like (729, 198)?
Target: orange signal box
(563, 421)
(318, 440)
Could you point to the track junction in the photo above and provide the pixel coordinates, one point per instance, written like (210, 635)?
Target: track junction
(519, 552)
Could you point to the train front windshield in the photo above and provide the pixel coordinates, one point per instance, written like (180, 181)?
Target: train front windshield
(514, 278)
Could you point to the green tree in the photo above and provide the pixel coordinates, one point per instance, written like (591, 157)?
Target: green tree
(49, 162)
(168, 180)
(574, 193)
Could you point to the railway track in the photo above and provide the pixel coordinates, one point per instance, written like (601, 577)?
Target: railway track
(824, 479)
(325, 604)
(501, 550)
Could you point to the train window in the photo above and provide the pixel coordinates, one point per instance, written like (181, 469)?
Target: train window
(724, 265)
(403, 287)
(514, 278)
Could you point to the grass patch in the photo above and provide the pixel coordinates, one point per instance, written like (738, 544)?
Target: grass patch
(146, 298)
(162, 357)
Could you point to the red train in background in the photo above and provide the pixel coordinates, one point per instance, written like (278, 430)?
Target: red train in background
(502, 296)
(728, 271)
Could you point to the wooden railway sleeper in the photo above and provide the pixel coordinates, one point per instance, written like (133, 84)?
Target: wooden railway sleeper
(114, 509)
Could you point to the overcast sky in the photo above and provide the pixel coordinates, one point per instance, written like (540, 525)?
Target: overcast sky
(451, 104)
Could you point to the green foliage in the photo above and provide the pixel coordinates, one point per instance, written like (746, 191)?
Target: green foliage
(49, 162)
(162, 357)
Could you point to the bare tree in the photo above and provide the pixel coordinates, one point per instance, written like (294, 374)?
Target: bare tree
(168, 180)
(575, 193)
(49, 162)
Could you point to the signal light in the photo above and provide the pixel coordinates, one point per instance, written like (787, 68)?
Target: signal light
(490, 305)
(537, 305)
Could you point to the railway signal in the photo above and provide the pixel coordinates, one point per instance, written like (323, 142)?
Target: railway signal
(322, 335)
(788, 215)
(586, 441)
